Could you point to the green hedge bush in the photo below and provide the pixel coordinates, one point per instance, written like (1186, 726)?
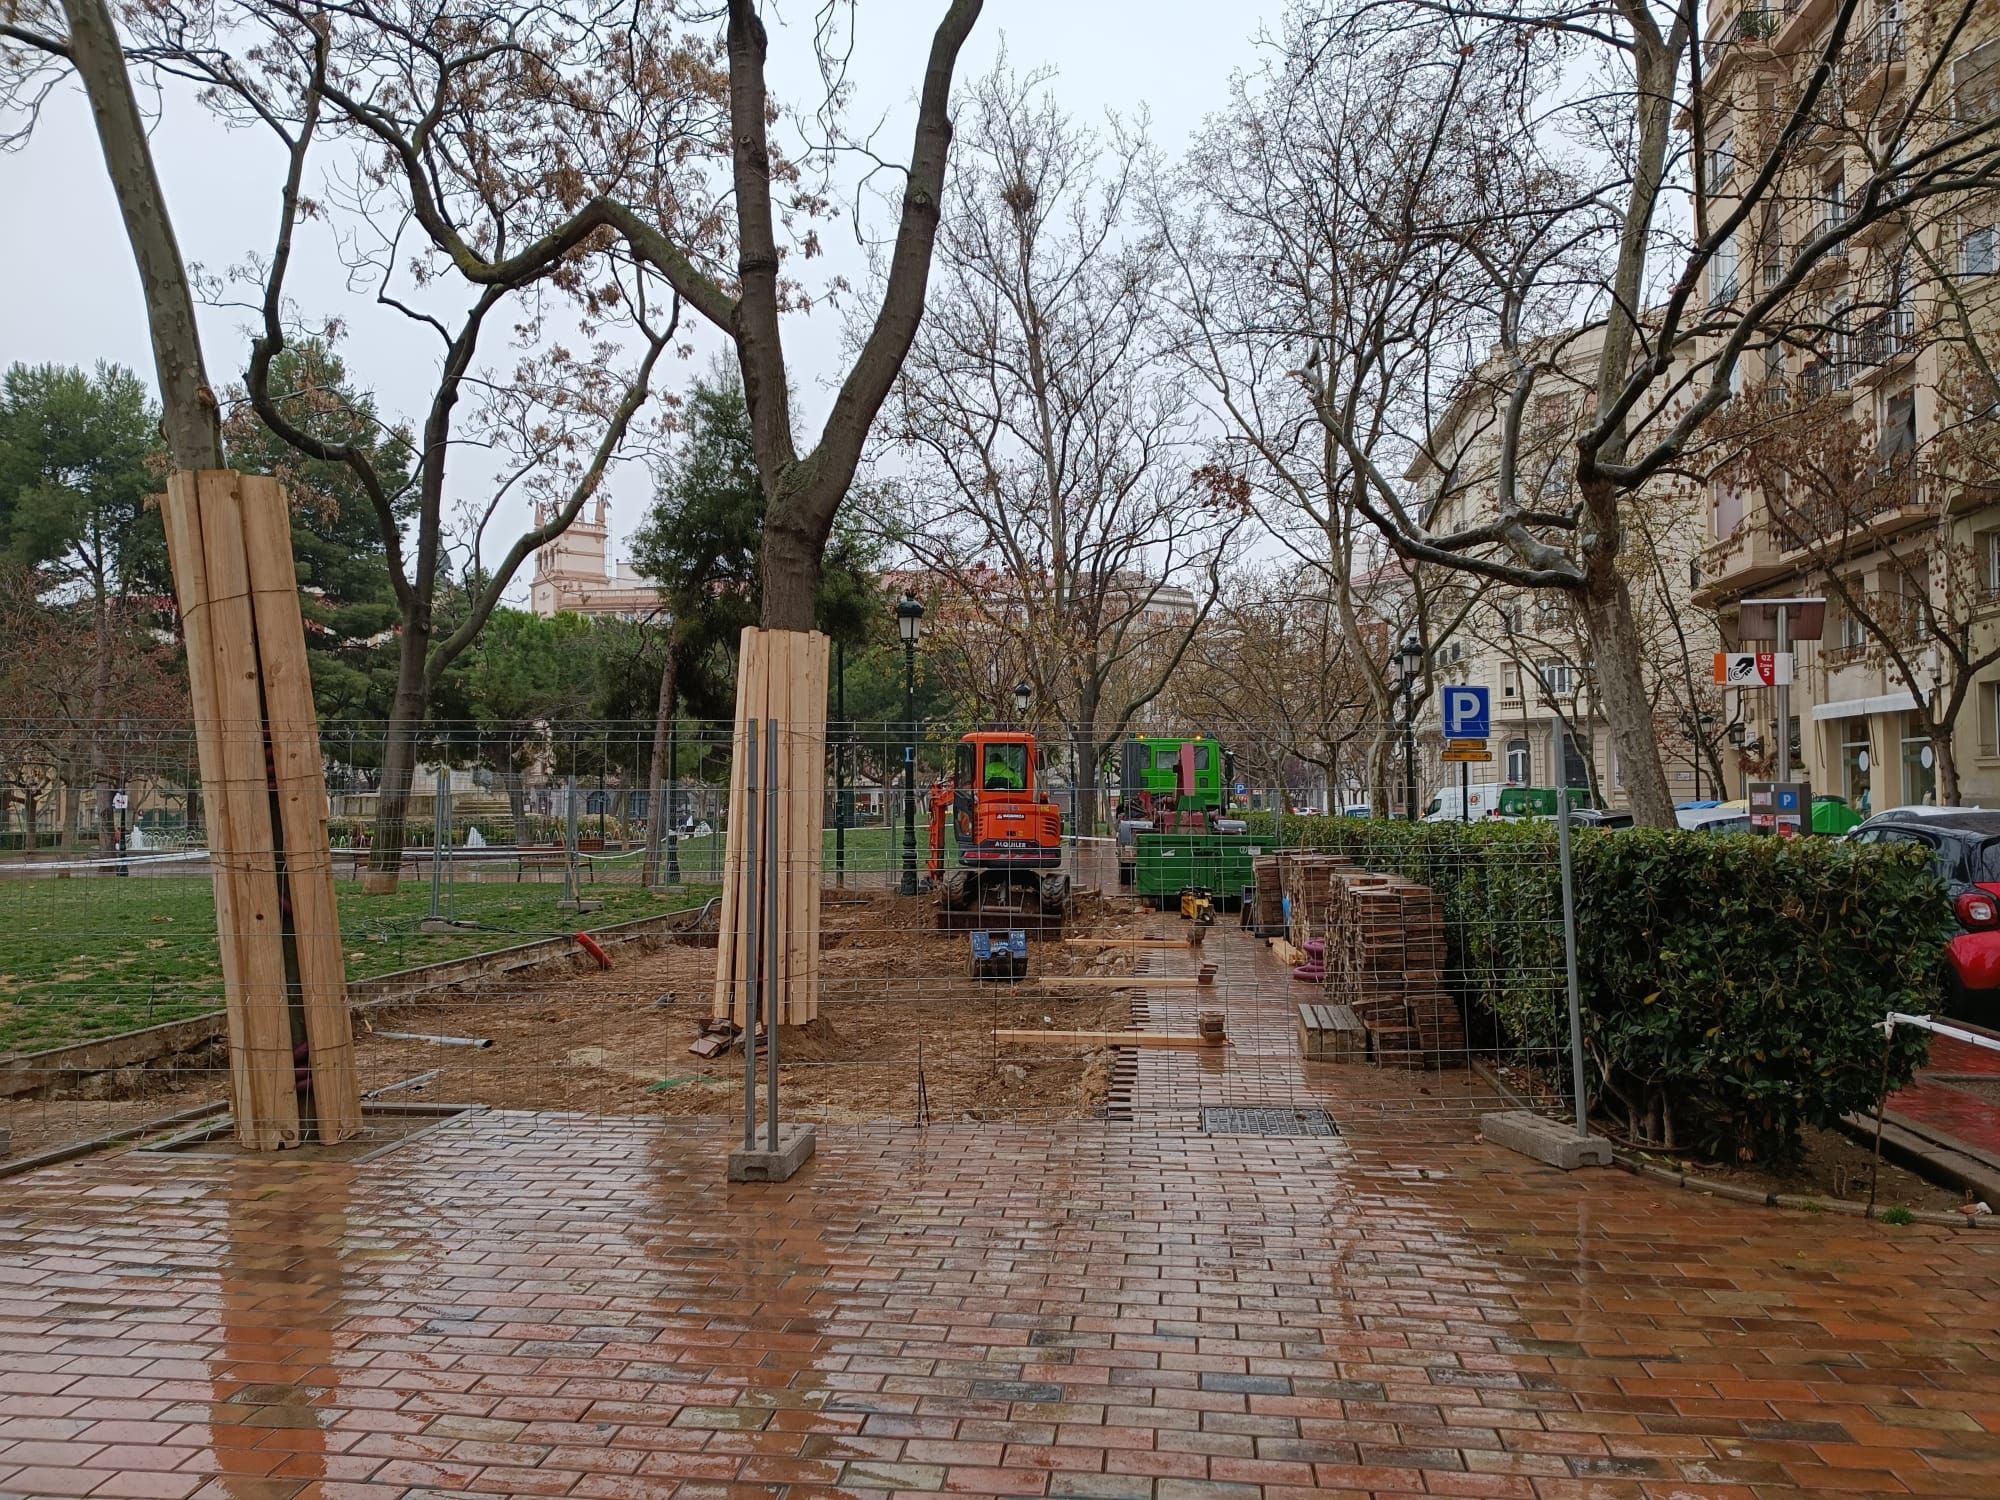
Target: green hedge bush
(1733, 987)
(536, 828)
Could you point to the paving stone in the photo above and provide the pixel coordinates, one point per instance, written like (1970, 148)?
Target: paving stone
(527, 1302)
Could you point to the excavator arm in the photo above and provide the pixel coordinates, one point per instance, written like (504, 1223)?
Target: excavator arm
(942, 791)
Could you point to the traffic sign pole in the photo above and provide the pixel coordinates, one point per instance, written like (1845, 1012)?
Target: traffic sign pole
(1784, 700)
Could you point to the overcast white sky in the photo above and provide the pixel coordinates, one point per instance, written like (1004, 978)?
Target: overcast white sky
(73, 297)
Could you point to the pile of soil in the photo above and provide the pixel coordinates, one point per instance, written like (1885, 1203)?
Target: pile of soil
(904, 1032)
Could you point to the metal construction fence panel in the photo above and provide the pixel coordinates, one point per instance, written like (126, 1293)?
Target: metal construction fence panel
(550, 942)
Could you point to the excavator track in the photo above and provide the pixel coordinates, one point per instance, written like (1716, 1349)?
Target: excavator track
(1031, 900)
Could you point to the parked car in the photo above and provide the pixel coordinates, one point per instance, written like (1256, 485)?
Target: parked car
(1964, 846)
(1716, 817)
(1597, 817)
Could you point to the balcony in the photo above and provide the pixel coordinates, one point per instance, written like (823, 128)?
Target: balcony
(1882, 338)
(1748, 556)
(1743, 39)
(1812, 530)
(1822, 377)
(1873, 62)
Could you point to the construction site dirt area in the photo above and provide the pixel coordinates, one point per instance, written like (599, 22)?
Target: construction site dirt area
(905, 1034)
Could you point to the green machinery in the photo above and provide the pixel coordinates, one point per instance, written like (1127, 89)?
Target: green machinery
(1165, 864)
(1178, 786)
(1172, 780)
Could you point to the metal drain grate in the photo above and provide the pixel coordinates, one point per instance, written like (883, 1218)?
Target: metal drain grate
(1233, 1121)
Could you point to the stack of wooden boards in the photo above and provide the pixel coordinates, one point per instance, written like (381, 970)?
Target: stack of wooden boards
(1307, 879)
(1264, 913)
(781, 676)
(1385, 958)
(291, 1045)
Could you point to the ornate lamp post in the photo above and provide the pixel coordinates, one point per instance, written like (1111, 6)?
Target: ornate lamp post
(1410, 664)
(909, 619)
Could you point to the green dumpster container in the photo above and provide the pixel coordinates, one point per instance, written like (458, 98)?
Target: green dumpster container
(1832, 815)
(1168, 863)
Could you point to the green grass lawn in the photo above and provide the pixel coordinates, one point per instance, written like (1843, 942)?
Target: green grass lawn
(87, 958)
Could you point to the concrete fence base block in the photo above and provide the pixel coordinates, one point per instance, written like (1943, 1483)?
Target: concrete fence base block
(1545, 1140)
(795, 1149)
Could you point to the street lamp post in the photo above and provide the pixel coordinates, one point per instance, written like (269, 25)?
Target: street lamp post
(909, 617)
(666, 810)
(1023, 696)
(1410, 663)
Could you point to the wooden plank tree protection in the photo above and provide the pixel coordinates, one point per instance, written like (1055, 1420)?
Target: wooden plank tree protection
(263, 784)
(781, 675)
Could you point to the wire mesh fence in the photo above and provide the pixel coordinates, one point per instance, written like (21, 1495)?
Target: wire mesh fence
(534, 926)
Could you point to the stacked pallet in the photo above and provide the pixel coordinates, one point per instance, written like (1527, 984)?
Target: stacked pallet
(1267, 903)
(1309, 881)
(1385, 956)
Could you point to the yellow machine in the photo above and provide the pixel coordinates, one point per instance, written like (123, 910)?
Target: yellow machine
(1198, 905)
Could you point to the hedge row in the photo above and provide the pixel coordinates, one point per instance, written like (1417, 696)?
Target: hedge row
(1733, 988)
(497, 829)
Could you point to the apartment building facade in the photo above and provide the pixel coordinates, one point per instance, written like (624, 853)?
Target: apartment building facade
(1527, 646)
(1853, 455)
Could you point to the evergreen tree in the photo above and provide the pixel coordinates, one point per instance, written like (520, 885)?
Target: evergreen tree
(79, 456)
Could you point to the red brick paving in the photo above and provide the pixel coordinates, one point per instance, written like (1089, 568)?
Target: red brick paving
(1931, 1103)
(533, 1304)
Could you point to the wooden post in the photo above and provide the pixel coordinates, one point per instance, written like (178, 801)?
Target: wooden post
(257, 738)
(782, 675)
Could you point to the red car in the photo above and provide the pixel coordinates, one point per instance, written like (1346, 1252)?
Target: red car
(1964, 845)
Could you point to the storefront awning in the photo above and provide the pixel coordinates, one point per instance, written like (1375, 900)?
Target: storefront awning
(1854, 708)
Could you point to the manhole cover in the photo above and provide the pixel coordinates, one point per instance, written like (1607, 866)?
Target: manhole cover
(1222, 1121)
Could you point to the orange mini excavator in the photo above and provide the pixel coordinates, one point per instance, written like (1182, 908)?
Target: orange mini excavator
(1009, 838)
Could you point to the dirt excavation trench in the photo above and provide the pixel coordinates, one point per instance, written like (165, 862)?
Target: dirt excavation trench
(903, 1030)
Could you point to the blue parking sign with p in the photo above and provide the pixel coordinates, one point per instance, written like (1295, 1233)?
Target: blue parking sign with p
(1468, 713)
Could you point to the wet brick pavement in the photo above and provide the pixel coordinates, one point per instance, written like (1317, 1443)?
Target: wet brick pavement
(547, 1305)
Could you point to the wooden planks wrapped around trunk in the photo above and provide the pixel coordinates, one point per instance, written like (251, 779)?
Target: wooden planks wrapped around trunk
(263, 785)
(781, 675)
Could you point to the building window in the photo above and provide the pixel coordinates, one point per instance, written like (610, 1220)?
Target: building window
(1919, 764)
(1975, 83)
(1989, 719)
(1722, 274)
(1557, 679)
(1726, 509)
(1979, 251)
(1832, 199)
(1853, 633)
(1576, 766)
(1854, 767)
(1510, 676)
(1517, 762)
(1899, 430)
(1721, 152)
(1988, 545)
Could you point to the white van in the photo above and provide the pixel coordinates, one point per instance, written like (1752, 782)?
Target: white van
(1447, 805)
